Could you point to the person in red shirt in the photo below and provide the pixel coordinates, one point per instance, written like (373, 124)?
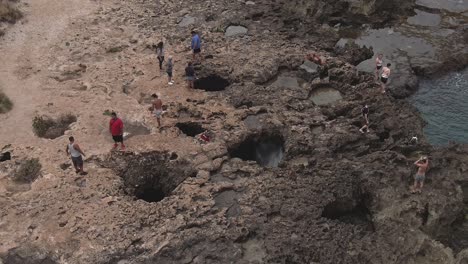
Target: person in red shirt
(116, 130)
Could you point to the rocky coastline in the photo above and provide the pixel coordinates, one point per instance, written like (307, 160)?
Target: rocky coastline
(287, 178)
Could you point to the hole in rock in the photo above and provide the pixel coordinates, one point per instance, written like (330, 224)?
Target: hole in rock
(211, 83)
(266, 150)
(5, 156)
(150, 176)
(350, 212)
(190, 129)
(150, 194)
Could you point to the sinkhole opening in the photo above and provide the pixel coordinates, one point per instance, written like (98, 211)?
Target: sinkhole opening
(350, 211)
(190, 129)
(266, 150)
(211, 83)
(150, 176)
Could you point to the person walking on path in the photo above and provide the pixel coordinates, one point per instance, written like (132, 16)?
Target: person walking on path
(378, 65)
(169, 67)
(160, 54)
(422, 165)
(365, 114)
(385, 75)
(196, 46)
(74, 150)
(190, 75)
(157, 108)
(116, 129)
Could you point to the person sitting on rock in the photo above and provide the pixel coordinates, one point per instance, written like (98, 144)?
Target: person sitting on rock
(378, 65)
(422, 164)
(74, 150)
(365, 114)
(385, 75)
(315, 58)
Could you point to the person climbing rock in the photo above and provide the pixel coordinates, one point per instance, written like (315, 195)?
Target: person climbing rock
(116, 128)
(157, 108)
(420, 176)
(384, 77)
(74, 150)
(365, 114)
(196, 47)
(190, 75)
(169, 67)
(378, 65)
(160, 54)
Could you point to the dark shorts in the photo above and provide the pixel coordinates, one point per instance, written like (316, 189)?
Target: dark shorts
(196, 51)
(169, 74)
(420, 177)
(118, 138)
(77, 161)
(379, 67)
(384, 80)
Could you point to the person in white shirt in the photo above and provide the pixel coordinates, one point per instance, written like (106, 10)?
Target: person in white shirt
(74, 150)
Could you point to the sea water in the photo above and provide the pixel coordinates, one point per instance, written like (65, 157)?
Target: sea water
(443, 103)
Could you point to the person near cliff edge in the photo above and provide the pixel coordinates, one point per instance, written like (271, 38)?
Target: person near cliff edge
(160, 54)
(74, 151)
(116, 128)
(196, 47)
(422, 165)
(190, 75)
(378, 65)
(169, 67)
(157, 108)
(384, 77)
(365, 114)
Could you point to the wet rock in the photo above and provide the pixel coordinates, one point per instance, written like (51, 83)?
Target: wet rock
(232, 31)
(187, 21)
(424, 19)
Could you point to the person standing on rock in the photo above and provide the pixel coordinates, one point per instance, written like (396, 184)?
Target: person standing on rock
(385, 75)
(169, 67)
(157, 108)
(160, 54)
(378, 65)
(196, 47)
(74, 150)
(116, 129)
(365, 114)
(190, 75)
(422, 164)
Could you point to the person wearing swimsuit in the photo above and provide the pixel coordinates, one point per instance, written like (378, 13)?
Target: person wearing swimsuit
(384, 76)
(157, 108)
(378, 65)
(365, 114)
(422, 164)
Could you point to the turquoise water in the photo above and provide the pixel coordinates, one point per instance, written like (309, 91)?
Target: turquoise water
(443, 103)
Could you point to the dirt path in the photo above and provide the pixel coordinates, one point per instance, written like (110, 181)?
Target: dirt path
(22, 69)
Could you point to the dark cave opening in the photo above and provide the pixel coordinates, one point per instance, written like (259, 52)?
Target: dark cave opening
(350, 212)
(151, 176)
(190, 129)
(150, 194)
(266, 150)
(211, 83)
